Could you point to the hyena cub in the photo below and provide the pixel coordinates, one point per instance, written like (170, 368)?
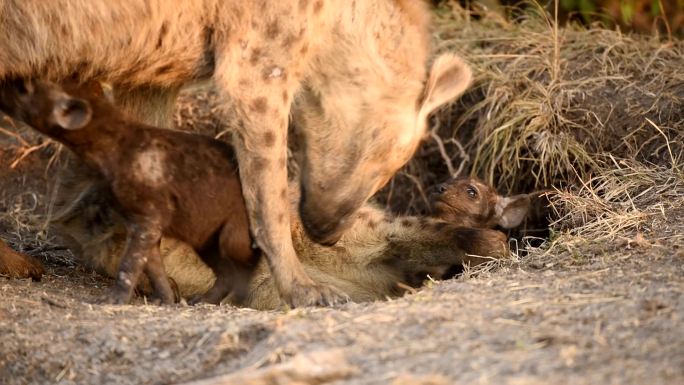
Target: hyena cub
(163, 182)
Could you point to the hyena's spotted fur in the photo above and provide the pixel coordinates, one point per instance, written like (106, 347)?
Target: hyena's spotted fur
(352, 73)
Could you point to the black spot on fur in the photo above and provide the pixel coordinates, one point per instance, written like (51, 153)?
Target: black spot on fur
(318, 6)
(259, 164)
(207, 63)
(260, 104)
(254, 57)
(269, 138)
(273, 29)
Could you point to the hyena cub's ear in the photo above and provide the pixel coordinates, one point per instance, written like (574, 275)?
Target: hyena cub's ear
(510, 211)
(448, 79)
(71, 113)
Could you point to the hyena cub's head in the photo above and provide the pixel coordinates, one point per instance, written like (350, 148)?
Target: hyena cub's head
(45, 106)
(470, 202)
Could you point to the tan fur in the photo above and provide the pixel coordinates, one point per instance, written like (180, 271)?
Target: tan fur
(354, 69)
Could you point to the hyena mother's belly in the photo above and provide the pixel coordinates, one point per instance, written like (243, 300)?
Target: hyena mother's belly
(128, 42)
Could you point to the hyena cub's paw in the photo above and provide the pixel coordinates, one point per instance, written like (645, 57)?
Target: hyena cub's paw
(118, 294)
(487, 243)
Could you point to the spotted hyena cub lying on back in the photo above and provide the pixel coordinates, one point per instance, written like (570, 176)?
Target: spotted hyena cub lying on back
(162, 182)
(375, 259)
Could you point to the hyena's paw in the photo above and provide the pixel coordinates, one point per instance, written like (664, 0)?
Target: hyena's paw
(18, 265)
(316, 295)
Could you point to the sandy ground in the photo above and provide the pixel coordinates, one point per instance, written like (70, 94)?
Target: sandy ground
(613, 315)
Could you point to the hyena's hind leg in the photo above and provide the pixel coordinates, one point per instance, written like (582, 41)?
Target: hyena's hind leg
(233, 261)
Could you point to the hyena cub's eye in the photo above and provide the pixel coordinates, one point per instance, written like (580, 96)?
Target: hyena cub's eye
(472, 192)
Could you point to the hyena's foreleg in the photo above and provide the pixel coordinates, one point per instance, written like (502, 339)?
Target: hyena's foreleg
(261, 93)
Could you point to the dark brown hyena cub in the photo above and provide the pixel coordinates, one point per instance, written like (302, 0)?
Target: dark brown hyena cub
(164, 182)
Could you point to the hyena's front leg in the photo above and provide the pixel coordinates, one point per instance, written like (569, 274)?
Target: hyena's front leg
(261, 103)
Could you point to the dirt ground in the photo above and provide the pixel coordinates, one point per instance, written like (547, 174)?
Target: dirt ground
(615, 318)
(609, 313)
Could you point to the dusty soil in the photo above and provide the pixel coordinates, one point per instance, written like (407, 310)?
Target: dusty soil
(614, 318)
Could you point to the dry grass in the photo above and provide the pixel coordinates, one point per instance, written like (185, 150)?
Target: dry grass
(629, 204)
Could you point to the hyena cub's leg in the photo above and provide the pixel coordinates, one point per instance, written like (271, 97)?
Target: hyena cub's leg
(164, 289)
(141, 253)
(429, 246)
(232, 260)
(235, 244)
(224, 270)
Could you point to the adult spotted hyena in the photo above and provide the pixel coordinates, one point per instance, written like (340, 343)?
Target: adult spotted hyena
(351, 73)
